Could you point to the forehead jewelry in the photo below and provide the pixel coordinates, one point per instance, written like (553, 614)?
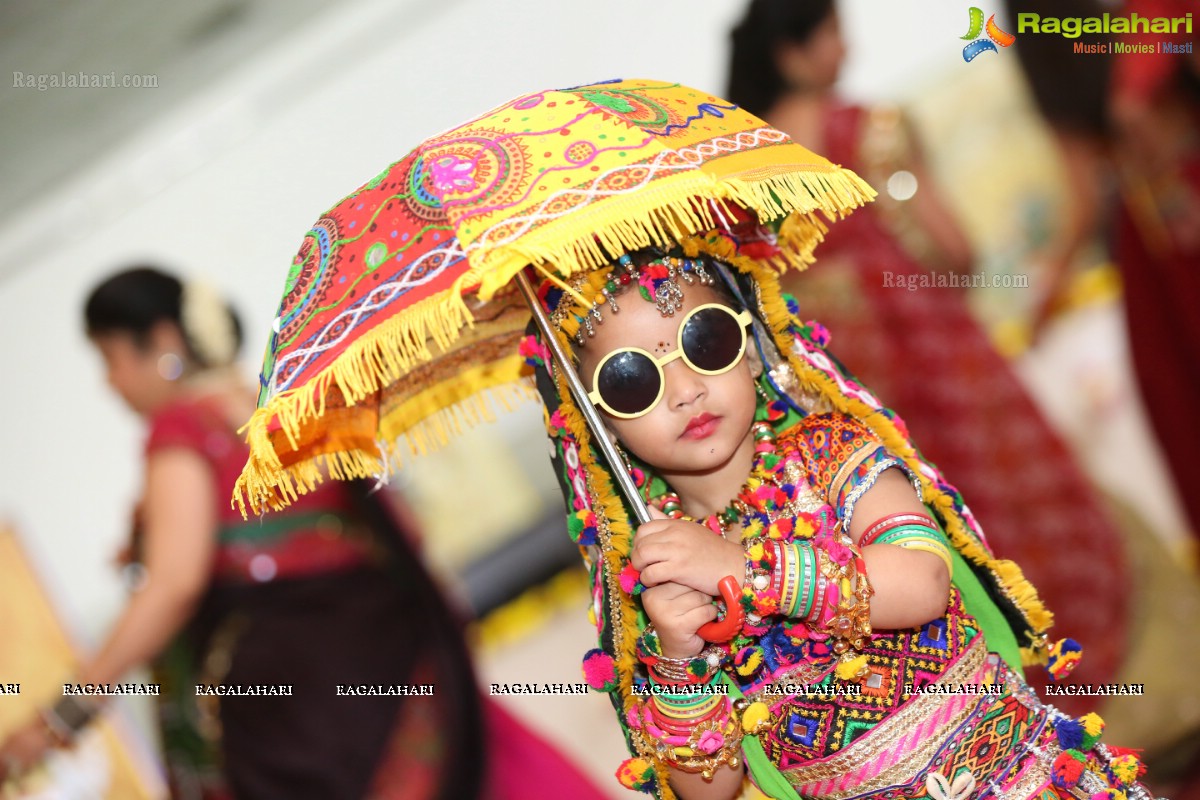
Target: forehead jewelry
(666, 292)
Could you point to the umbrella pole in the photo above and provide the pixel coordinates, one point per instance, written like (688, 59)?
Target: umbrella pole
(599, 434)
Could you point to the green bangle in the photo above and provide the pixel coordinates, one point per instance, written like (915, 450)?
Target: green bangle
(808, 572)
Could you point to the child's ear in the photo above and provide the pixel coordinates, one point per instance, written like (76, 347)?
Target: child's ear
(755, 361)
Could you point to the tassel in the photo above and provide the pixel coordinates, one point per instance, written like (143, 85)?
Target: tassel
(1125, 768)
(1067, 769)
(600, 670)
(748, 661)
(852, 669)
(636, 774)
(1093, 726)
(1070, 734)
(1064, 656)
(1136, 752)
(755, 716)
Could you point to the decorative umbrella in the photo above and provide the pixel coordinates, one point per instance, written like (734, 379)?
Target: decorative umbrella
(403, 309)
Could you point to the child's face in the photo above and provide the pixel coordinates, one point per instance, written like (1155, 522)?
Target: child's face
(701, 420)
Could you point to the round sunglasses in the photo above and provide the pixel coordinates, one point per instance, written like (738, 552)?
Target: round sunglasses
(628, 382)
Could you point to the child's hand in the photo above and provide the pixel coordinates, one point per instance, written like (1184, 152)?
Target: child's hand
(673, 550)
(677, 613)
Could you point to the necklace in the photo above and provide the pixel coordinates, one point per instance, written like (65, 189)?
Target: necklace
(761, 472)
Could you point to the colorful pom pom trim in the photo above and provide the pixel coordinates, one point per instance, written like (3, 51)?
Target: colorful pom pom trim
(600, 670)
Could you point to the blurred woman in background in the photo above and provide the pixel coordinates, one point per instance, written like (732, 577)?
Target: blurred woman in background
(918, 346)
(328, 593)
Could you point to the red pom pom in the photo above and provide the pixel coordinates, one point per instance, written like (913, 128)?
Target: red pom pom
(630, 580)
(1067, 769)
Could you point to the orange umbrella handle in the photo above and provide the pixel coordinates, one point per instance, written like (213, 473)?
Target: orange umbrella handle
(723, 630)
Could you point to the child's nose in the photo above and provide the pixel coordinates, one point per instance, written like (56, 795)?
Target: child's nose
(684, 385)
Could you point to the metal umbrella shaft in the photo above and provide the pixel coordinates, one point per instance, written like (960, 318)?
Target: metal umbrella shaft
(562, 360)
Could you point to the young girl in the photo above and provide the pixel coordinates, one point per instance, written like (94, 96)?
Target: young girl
(875, 657)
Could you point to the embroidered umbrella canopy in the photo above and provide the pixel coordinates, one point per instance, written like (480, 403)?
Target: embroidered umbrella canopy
(400, 319)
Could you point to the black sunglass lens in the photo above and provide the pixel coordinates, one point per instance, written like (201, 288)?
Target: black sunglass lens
(712, 339)
(628, 382)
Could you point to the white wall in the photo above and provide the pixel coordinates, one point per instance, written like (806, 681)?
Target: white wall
(227, 187)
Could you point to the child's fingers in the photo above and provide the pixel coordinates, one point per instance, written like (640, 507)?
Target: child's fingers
(651, 544)
(655, 574)
(655, 512)
(701, 614)
(666, 592)
(654, 526)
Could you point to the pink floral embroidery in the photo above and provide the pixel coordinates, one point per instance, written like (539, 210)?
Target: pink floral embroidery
(453, 174)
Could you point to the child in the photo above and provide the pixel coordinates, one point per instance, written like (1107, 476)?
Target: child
(860, 668)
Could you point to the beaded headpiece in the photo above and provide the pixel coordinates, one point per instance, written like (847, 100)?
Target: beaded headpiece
(577, 308)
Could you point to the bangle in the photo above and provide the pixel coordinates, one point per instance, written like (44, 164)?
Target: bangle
(799, 586)
(843, 609)
(701, 746)
(918, 537)
(884, 524)
(696, 669)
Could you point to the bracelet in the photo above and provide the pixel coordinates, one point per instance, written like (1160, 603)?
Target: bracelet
(759, 598)
(918, 537)
(701, 746)
(883, 524)
(696, 669)
(789, 570)
(844, 615)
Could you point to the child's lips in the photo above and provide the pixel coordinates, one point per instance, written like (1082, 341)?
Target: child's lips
(700, 426)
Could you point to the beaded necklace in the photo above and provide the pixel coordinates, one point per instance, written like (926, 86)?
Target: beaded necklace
(761, 472)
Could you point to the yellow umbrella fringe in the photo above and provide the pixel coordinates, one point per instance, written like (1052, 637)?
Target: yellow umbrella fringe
(438, 428)
(266, 484)
(664, 215)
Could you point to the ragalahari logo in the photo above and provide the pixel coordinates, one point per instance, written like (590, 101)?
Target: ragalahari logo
(995, 36)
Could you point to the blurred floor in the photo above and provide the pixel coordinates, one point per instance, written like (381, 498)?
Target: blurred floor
(541, 641)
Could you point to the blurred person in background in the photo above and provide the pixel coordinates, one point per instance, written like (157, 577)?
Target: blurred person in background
(1155, 111)
(920, 348)
(1127, 131)
(1071, 95)
(326, 594)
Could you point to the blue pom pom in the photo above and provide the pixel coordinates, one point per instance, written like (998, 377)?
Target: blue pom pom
(1070, 734)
